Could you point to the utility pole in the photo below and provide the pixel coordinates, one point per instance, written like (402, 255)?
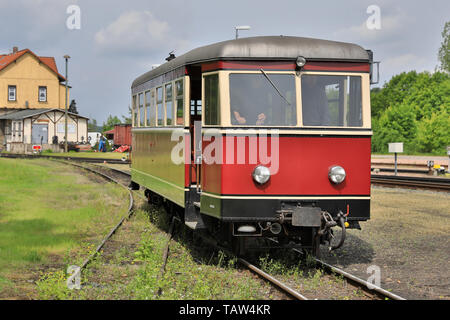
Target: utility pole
(67, 57)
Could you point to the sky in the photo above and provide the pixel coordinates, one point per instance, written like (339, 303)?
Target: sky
(119, 40)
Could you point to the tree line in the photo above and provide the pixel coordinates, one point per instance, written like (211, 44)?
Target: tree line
(414, 108)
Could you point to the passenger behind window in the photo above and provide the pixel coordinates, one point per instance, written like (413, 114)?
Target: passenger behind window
(248, 102)
(314, 102)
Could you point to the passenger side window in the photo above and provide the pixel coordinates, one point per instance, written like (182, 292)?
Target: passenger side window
(159, 97)
(212, 104)
(141, 110)
(169, 105)
(179, 102)
(152, 109)
(134, 111)
(147, 107)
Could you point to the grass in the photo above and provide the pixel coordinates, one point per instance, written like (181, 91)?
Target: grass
(50, 213)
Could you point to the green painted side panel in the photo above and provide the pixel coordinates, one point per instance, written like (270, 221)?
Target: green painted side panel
(152, 165)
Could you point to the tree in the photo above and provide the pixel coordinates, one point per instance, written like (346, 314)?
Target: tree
(397, 124)
(73, 107)
(110, 123)
(413, 108)
(127, 119)
(92, 125)
(433, 133)
(444, 50)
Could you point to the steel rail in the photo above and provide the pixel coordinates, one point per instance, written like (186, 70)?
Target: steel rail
(271, 279)
(262, 274)
(165, 255)
(360, 281)
(442, 184)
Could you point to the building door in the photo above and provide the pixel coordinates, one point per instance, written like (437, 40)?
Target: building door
(39, 133)
(16, 131)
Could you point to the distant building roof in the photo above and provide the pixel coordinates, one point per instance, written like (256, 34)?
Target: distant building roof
(27, 113)
(7, 59)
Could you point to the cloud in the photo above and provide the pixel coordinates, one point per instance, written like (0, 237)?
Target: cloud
(136, 33)
(405, 62)
(393, 25)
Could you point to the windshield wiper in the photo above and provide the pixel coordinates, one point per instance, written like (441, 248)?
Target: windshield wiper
(273, 85)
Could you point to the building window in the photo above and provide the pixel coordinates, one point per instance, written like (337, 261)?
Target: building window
(212, 104)
(42, 94)
(12, 94)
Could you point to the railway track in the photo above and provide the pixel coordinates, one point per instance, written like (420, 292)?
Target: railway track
(67, 158)
(373, 291)
(370, 290)
(438, 184)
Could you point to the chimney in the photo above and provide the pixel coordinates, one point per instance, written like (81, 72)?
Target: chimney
(15, 49)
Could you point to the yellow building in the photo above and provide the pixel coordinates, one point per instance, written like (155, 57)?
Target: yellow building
(32, 103)
(29, 81)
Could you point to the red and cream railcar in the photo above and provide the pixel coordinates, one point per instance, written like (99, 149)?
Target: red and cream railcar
(262, 136)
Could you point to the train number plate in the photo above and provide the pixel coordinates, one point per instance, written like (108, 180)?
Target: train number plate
(306, 217)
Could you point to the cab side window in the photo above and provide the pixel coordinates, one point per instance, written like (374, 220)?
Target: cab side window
(212, 103)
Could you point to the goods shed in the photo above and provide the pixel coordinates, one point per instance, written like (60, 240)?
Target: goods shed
(20, 130)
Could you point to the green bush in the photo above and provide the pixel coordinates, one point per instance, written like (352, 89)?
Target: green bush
(412, 108)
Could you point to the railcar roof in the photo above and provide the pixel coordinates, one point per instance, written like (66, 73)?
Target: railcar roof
(263, 48)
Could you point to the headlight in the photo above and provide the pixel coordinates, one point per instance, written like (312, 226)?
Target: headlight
(261, 174)
(336, 174)
(301, 61)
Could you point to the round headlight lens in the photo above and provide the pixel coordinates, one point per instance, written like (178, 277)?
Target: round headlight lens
(261, 174)
(336, 174)
(301, 61)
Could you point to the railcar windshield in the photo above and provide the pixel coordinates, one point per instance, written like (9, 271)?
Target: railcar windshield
(263, 99)
(331, 100)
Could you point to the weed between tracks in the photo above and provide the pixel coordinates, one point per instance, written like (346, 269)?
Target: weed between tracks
(129, 267)
(303, 275)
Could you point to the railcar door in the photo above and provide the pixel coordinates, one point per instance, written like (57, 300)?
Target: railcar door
(195, 120)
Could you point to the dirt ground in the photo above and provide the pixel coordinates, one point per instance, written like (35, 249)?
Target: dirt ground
(408, 238)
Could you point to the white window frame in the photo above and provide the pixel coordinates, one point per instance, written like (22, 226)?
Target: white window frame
(39, 93)
(9, 93)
